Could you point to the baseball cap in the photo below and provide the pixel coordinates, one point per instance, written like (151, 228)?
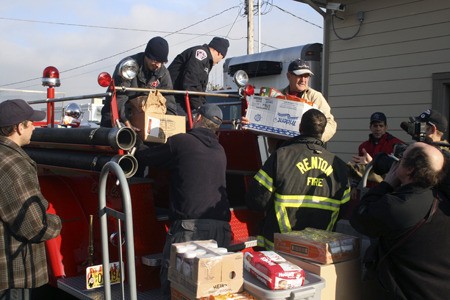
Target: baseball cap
(378, 117)
(157, 49)
(433, 117)
(15, 111)
(211, 112)
(220, 44)
(299, 67)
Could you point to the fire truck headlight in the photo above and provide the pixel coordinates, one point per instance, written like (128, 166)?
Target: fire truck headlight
(128, 69)
(240, 78)
(50, 77)
(104, 79)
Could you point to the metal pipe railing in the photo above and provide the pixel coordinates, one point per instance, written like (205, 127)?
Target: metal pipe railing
(125, 216)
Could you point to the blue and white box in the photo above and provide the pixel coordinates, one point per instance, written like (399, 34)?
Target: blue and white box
(275, 117)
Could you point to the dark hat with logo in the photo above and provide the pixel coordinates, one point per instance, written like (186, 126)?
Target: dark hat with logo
(378, 117)
(220, 44)
(299, 67)
(15, 111)
(211, 112)
(433, 117)
(157, 49)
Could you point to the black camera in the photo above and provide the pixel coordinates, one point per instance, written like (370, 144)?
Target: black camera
(382, 162)
(416, 129)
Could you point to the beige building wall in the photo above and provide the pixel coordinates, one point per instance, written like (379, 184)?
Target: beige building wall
(398, 63)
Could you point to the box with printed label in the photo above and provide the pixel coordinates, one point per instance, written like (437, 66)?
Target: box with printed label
(178, 293)
(210, 272)
(318, 245)
(157, 128)
(275, 117)
(342, 278)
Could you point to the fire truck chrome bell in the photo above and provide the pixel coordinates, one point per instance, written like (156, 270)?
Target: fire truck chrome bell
(72, 115)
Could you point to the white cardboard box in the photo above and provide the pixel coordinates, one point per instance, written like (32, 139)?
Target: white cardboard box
(157, 127)
(275, 117)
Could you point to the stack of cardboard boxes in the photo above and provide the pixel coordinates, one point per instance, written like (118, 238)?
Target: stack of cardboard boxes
(331, 255)
(213, 272)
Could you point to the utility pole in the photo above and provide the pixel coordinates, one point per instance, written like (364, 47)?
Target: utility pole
(250, 39)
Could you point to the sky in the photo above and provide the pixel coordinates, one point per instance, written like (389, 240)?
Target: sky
(84, 38)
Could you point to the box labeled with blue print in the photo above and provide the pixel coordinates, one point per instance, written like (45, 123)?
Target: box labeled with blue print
(275, 117)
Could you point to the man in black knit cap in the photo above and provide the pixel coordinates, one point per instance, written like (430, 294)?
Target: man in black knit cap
(152, 74)
(191, 68)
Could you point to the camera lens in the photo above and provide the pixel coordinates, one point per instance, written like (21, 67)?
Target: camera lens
(382, 163)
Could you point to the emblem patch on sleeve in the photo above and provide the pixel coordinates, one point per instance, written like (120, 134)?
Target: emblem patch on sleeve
(200, 54)
(155, 83)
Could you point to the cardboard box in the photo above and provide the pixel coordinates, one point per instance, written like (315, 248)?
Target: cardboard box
(275, 117)
(318, 245)
(342, 279)
(157, 128)
(178, 293)
(214, 274)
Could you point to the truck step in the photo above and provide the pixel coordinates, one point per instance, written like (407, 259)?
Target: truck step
(152, 260)
(76, 286)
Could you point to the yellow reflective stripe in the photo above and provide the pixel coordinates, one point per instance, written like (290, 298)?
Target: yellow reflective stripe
(334, 217)
(264, 179)
(282, 202)
(263, 242)
(346, 196)
(282, 217)
(308, 201)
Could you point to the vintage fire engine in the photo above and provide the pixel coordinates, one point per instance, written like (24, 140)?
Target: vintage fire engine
(110, 215)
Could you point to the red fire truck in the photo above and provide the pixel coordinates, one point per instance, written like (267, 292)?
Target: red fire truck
(71, 161)
(109, 215)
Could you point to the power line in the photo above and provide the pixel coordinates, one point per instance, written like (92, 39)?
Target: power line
(304, 20)
(114, 28)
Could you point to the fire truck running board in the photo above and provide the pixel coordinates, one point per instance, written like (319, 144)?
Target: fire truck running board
(152, 260)
(76, 286)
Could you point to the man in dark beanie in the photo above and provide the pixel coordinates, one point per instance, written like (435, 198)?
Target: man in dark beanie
(152, 74)
(190, 71)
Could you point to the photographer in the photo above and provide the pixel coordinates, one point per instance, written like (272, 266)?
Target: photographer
(436, 126)
(411, 225)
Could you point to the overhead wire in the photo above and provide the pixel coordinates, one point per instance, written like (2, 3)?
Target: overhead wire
(300, 18)
(267, 4)
(104, 27)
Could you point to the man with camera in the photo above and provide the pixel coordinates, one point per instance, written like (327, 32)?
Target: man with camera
(410, 220)
(435, 128)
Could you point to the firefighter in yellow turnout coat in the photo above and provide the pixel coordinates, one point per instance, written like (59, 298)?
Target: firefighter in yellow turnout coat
(301, 184)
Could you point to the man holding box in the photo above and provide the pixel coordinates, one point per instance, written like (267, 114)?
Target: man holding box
(151, 74)
(298, 75)
(199, 207)
(301, 184)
